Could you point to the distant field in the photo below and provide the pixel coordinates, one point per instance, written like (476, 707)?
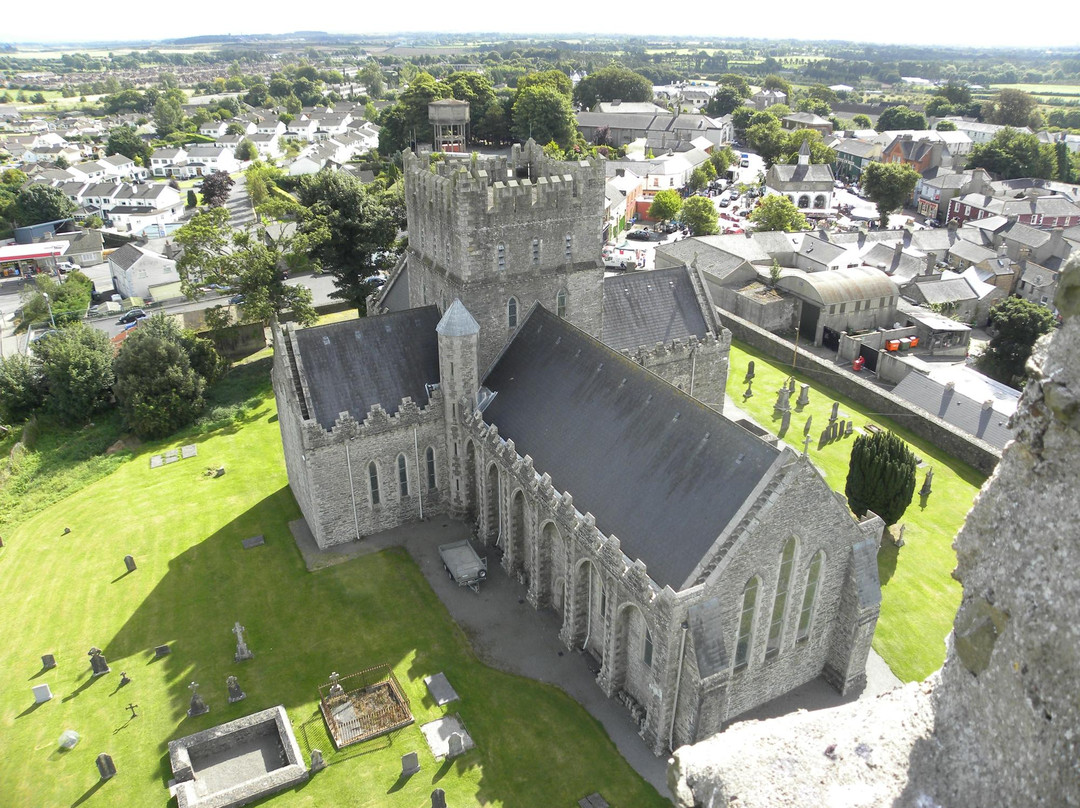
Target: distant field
(1041, 89)
(29, 53)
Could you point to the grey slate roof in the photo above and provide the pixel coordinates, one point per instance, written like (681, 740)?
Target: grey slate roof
(707, 632)
(644, 308)
(656, 467)
(867, 583)
(815, 177)
(959, 410)
(126, 256)
(457, 322)
(341, 378)
(945, 291)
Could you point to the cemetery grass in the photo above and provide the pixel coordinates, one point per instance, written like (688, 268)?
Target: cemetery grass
(62, 594)
(919, 595)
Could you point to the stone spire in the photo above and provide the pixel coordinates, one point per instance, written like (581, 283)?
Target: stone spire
(804, 153)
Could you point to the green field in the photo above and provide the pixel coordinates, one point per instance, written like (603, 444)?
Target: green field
(919, 595)
(1041, 89)
(62, 593)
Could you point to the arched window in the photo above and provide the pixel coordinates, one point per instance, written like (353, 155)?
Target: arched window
(804, 201)
(511, 312)
(501, 253)
(813, 575)
(431, 468)
(569, 247)
(746, 624)
(819, 201)
(403, 476)
(373, 482)
(783, 583)
(560, 303)
(646, 656)
(536, 251)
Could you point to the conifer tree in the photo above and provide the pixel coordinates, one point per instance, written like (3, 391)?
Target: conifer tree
(881, 476)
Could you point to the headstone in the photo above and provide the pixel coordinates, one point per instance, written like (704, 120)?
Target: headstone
(835, 411)
(438, 798)
(124, 678)
(105, 766)
(806, 428)
(900, 538)
(98, 665)
(781, 400)
(161, 650)
(242, 651)
(42, 694)
(66, 530)
(749, 390)
(129, 562)
(318, 763)
(197, 706)
(806, 445)
(849, 429)
(235, 693)
(804, 395)
(455, 745)
(336, 690)
(172, 456)
(749, 371)
(926, 486)
(189, 451)
(410, 764)
(68, 739)
(254, 541)
(218, 472)
(839, 428)
(156, 461)
(785, 421)
(48, 661)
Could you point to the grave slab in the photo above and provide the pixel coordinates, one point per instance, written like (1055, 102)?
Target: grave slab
(439, 688)
(594, 800)
(42, 693)
(437, 734)
(189, 451)
(254, 541)
(156, 461)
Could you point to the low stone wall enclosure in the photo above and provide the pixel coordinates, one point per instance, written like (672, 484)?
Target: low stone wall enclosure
(971, 450)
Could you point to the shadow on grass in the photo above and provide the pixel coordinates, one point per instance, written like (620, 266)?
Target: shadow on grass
(77, 691)
(121, 577)
(89, 793)
(887, 558)
(29, 709)
(443, 770)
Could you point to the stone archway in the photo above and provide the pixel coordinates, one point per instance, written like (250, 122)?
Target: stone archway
(492, 496)
(550, 566)
(628, 669)
(587, 622)
(518, 545)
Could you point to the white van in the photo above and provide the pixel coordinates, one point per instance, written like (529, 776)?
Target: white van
(623, 258)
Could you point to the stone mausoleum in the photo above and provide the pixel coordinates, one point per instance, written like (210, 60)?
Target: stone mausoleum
(574, 420)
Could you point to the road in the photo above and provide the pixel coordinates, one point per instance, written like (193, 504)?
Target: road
(241, 211)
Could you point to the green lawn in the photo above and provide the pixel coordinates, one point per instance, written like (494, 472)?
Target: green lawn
(919, 595)
(62, 594)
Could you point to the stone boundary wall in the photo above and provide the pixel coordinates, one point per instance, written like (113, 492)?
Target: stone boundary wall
(971, 450)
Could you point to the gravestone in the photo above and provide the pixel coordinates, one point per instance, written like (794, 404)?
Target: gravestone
(438, 798)
(254, 541)
(48, 661)
(336, 690)
(68, 739)
(197, 706)
(172, 456)
(67, 530)
(455, 745)
(105, 766)
(242, 651)
(235, 693)
(785, 421)
(318, 763)
(98, 665)
(749, 391)
(839, 428)
(804, 395)
(925, 490)
(156, 461)
(849, 429)
(42, 693)
(124, 678)
(129, 562)
(218, 472)
(806, 445)
(806, 428)
(410, 764)
(161, 650)
(781, 400)
(749, 371)
(835, 411)
(189, 451)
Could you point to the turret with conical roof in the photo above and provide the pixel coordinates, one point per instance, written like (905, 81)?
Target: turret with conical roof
(459, 380)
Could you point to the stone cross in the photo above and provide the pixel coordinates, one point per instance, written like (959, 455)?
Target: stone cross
(235, 693)
(410, 764)
(806, 445)
(925, 490)
(105, 766)
(129, 562)
(749, 371)
(124, 678)
(132, 708)
(198, 706)
(336, 690)
(242, 651)
(318, 763)
(98, 665)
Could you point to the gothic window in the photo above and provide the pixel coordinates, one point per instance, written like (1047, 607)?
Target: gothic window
(647, 654)
(809, 597)
(783, 583)
(536, 250)
(501, 251)
(746, 624)
(603, 603)
(560, 303)
(403, 476)
(569, 246)
(512, 312)
(373, 482)
(431, 468)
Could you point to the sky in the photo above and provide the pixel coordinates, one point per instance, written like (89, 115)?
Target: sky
(949, 24)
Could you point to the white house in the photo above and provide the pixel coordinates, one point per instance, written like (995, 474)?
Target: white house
(162, 159)
(137, 206)
(135, 269)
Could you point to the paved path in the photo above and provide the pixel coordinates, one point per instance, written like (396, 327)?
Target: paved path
(509, 634)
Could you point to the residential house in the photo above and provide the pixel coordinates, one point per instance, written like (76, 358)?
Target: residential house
(162, 159)
(921, 155)
(1037, 210)
(853, 155)
(137, 206)
(135, 270)
(214, 129)
(938, 186)
(982, 132)
(807, 120)
(763, 99)
(620, 107)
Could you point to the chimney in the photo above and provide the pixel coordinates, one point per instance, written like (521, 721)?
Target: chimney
(952, 225)
(1025, 253)
(1002, 250)
(988, 404)
(898, 249)
(931, 263)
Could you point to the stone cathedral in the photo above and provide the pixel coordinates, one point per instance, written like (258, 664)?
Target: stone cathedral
(574, 419)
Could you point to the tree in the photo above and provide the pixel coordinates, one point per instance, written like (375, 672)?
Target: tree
(776, 212)
(724, 102)
(900, 117)
(253, 262)
(192, 198)
(124, 140)
(774, 82)
(881, 476)
(551, 78)
(168, 114)
(665, 205)
(861, 121)
(67, 298)
(1013, 108)
(22, 387)
(1012, 153)
(945, 126)
(699, 214)
(889, 186)
(1017, 325)
(364, 222)
(769, 139)
(42, 203)
(77, 363)
(543, 114)
(216, 187)
(611, 82)
(246, 150)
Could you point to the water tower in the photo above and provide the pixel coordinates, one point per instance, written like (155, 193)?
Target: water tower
(449, 118)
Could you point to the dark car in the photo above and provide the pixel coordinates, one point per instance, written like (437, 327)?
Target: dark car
(642, 235)
(132, 316)
(236, 300)
(724, 202)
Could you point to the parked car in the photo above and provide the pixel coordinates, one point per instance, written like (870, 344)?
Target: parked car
(733, 194)
(378, 281)
(236, 300)
(724, 202)
(643, 235)
(132, 316)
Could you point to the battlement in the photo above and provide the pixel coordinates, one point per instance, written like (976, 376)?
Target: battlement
(677, 349)
(377, 421)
